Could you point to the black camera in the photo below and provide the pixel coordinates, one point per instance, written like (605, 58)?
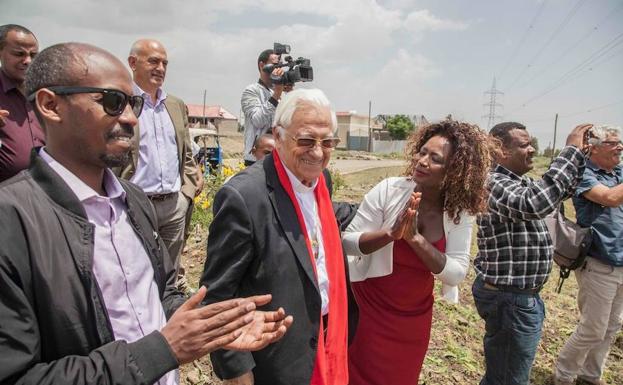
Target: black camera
(295, 70)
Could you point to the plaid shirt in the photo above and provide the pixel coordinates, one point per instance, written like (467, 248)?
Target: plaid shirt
(514, 245)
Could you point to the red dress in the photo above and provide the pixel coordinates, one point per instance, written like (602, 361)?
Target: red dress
(395, 314)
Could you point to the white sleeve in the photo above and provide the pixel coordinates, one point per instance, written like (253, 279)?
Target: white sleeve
(370, 217)
(458, 243)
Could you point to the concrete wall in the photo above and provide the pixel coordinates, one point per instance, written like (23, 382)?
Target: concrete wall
(353, 131)
(388, 146)
(358, 143)
(228, 127)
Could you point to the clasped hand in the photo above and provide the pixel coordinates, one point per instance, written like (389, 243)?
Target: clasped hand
(194, 331)
(405, 226)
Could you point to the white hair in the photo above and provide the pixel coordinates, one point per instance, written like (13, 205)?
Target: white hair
(292, 100)
(603, 131)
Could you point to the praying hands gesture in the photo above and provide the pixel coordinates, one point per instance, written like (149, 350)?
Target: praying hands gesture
(371, 241)
(406, 223)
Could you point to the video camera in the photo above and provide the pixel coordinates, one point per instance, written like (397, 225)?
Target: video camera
(296, 70)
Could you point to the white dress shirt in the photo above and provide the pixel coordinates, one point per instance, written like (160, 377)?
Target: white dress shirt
(309, 208)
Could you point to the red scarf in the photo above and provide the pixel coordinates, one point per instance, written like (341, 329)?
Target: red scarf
(331, 367)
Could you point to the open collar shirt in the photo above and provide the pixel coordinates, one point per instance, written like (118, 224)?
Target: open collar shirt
(121, 265)
(606, 222)
(158, 166)
(514, 245)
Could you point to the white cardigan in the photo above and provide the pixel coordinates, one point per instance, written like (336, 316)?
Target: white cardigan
(379, 210)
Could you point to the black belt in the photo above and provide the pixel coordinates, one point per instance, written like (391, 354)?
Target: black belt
(511, 289)
(161, 197)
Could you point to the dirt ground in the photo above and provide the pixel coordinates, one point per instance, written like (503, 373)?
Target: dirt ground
(455, 354)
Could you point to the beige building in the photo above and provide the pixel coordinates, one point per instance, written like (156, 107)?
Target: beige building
(200, 116)
(353, 130)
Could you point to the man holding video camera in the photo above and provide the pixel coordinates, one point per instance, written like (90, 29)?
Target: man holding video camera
(259, 101)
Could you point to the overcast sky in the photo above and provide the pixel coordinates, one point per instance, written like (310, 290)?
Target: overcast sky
(428, 57)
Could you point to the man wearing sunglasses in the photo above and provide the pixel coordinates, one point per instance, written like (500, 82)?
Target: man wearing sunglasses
(19, 129)
(87, 293)
(598, 202)
(162, 163)
(275, 229)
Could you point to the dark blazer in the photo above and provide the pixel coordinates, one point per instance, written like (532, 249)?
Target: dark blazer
(256, 246)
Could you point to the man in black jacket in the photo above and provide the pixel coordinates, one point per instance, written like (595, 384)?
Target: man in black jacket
(86, 295)
(275, 230)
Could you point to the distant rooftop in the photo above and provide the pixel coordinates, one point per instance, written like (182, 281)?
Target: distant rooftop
(211, 112)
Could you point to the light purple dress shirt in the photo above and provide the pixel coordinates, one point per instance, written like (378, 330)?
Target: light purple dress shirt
(121, 265)
(158, 167)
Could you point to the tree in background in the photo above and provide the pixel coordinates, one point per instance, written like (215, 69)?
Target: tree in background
(548, 152)
(399, 126)
(535, 144)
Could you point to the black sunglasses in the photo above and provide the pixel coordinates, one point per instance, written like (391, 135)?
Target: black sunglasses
(113, 101)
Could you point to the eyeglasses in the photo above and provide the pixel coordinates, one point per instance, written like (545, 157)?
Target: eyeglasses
(612, 142)
(113, 101)
(326, 143)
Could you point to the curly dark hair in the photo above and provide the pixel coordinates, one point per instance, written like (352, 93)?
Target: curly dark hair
(464, 185)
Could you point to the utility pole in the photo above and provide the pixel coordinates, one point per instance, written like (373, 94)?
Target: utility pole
(204, 109)
(492, 105)
(554, 146)
(369, 126)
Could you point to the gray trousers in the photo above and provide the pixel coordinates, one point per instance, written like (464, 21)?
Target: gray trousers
(171, 214)
(600, 299)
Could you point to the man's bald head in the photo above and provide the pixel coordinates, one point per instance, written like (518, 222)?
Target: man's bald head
(142, 46)
(148, 62)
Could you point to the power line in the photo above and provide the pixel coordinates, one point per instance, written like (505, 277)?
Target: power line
(558, 29)
(592, 30)
(589, 110)
(593, 109)
(493, 104)
(523, 39)
(573, 73)
(585, 64)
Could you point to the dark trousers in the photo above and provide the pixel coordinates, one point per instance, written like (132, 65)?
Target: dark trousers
(513, 323)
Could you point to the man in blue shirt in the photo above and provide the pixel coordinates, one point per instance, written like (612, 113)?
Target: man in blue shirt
(599, 203)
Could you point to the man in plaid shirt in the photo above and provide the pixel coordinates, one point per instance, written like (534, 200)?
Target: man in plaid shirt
(515, 249)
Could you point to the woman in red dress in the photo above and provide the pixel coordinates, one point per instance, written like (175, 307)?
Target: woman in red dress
(409, 230)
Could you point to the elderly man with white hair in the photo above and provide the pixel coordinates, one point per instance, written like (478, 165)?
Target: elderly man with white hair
(598, 202)
(275, 231)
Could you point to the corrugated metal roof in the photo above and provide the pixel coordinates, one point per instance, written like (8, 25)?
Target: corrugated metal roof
(211, 112)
